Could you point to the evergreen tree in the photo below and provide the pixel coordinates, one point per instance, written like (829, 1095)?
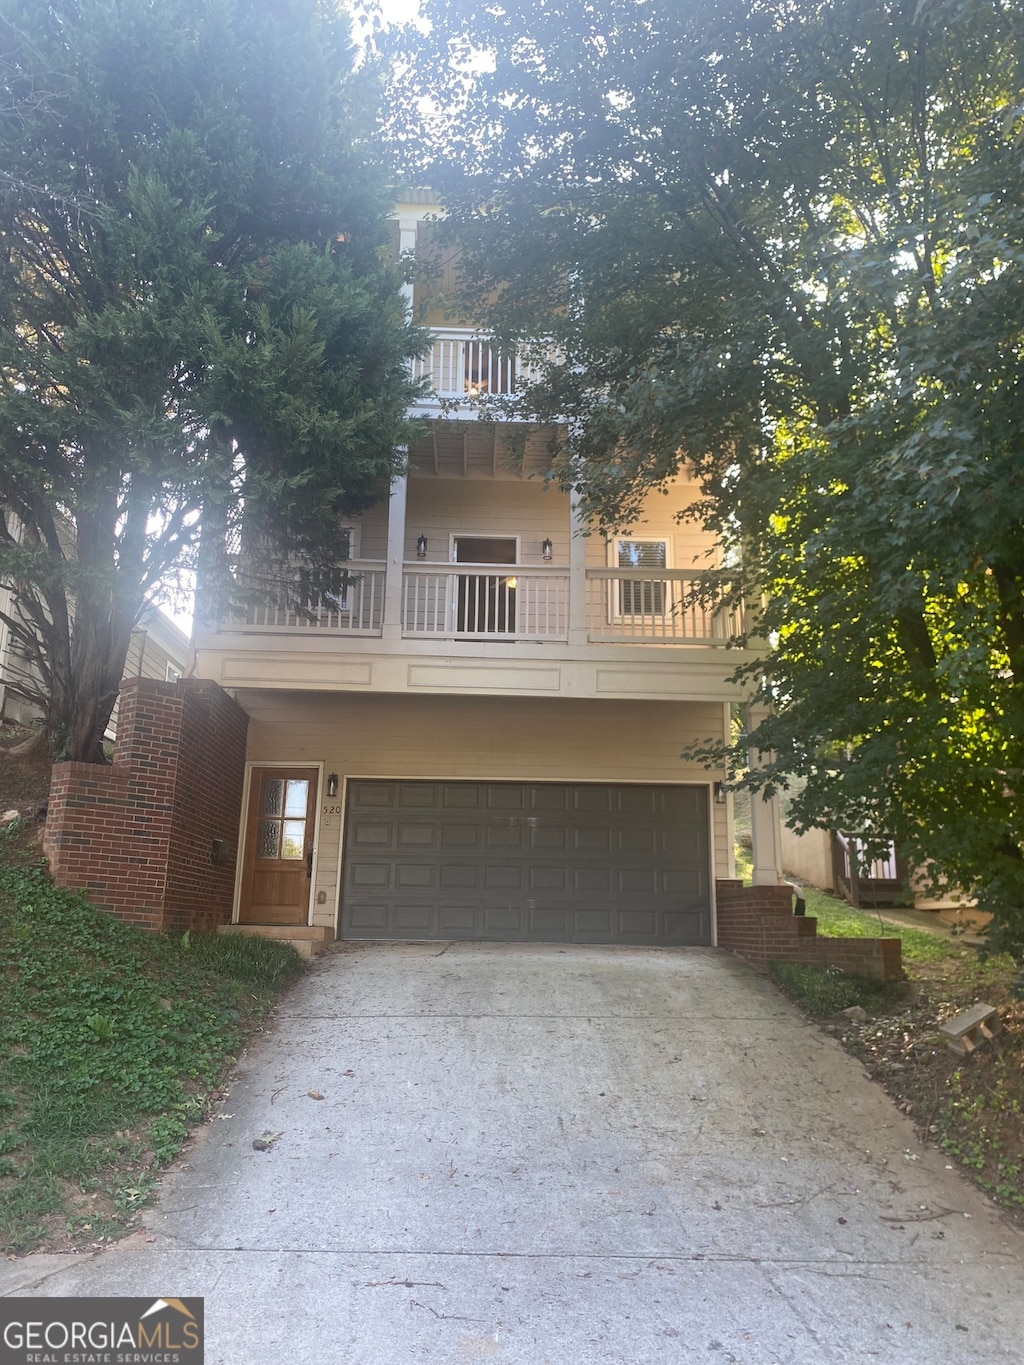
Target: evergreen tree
(197, 314)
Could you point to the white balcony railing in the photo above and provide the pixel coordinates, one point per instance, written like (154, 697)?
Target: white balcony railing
(636, 606)
(498, 602)
(347, 600)
(485, 601)
(461, 365)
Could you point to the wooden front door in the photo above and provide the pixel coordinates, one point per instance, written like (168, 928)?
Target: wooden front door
(279, 846)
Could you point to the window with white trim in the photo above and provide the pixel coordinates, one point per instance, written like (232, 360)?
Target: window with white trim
(640, 594)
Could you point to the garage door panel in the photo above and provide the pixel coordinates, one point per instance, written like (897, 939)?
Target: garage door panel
(543, 862)
(549, 838)
(364, 917)
(417, 836)
(634, 881)
(549, 879)
(641, 840)
(461, 876)
(504, 920)
(418, 876)
(461, 836)
(596, 922)
(503, 878)
(373, 795)
(592, 880)
(637, 925)
(367, 875)
(413, 919)
(549, 925)
(504, 836)
(592, 839)
(367, 835)
(684, 926)
(689, 882)
(458, 921)
(639, 801)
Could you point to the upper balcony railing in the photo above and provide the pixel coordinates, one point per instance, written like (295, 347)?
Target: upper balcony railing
(485, 601)
(497, 602)
(670, 606)
(463, 367)
(346, 600)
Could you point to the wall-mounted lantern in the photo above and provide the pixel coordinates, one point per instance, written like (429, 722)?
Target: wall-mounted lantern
(332, 784)
(546, 549)
(720, 794)
(421, 548)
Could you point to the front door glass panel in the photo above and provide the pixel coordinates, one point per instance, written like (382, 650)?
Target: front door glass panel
(282, 826)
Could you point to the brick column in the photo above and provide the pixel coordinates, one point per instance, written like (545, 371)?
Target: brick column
(152, 837)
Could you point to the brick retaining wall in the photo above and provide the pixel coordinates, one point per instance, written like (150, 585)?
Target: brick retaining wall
(152, 838)
(757, 923)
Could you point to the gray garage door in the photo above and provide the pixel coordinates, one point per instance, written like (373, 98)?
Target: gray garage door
(544, 862)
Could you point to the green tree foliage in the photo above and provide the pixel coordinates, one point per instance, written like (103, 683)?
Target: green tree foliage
(197, 314)
(786, 240)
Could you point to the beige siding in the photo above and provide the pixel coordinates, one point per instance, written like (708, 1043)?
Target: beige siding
(440, 508)
(513, 739)
(372, 542)
(689, 544)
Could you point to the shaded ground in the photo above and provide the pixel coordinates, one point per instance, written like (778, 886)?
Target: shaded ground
(970, 1107)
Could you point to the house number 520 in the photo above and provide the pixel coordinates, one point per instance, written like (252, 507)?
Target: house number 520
(331, 810)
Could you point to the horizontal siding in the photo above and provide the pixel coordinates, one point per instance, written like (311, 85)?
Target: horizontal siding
(506, 506)
(440, 508)
(373, 532)
(507, 739)
(660, 521)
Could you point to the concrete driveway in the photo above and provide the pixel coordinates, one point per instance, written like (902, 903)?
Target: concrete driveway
(543, 1155)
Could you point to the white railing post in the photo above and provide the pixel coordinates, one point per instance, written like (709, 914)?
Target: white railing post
(407, 247)
(391, 628)
(577, 571)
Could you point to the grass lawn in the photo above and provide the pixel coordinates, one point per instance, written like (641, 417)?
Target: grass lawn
(114, 1043)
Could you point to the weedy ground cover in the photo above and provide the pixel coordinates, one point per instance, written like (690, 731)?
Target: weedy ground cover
(113, 1044)
(971, 1107)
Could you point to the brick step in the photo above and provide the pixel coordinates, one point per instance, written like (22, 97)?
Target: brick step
(307, 940)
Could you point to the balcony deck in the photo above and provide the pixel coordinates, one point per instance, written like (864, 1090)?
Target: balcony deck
(468, 602)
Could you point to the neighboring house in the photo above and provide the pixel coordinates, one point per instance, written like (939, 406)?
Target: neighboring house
(158, 649)
(829, 860)
(473, 729)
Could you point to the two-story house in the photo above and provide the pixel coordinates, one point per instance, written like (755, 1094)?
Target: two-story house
(473, 730)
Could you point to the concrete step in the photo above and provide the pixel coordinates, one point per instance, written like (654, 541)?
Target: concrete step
(307, 940)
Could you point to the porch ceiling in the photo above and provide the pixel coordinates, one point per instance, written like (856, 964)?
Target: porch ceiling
(483, 450)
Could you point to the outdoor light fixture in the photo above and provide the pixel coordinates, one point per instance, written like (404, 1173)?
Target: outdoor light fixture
(332, 784)
(719, 793)
(546, 549)
(421, 548)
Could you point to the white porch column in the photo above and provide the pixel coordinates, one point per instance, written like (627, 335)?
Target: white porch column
(407, 247)
(392, 623)
(577, 572)
(765, 821)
